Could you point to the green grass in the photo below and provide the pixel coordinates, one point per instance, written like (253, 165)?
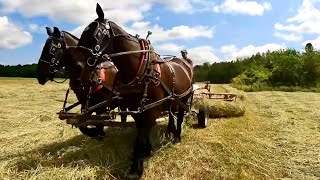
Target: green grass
(277, 138)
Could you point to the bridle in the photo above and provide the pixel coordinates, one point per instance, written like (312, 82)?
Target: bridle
(103, 30)
(98, 56)
(54, 51)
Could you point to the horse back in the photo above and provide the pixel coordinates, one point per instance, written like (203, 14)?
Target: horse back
(188, 67)
(176, 73)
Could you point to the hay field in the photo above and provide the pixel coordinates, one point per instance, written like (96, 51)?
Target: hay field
(278, 138)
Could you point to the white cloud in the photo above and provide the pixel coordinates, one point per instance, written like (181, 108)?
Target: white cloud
(202, 54)
(178, 7)
(251, 8)
(160, 34)
(140, 25)
(11, 36)
(288, 37)
(78, 11)
(78, 31)
(33, 27)
(315, 42)
(177, 32)
(228, 49)
(83, 11)
(232, 52)
(198, 55)
(306, 21)
(168, 49)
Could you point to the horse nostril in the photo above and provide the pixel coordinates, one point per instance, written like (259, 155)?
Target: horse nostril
(78, 69)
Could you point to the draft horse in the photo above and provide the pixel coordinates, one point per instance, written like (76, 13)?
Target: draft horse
(147, 84)
(55, 56)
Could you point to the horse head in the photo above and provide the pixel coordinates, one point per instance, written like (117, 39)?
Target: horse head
(95, 41)
(52, 55)
(102, 38)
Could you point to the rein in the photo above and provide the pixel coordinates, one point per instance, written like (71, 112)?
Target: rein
(60, 81)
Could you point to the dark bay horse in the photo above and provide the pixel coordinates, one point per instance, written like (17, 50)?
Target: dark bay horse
(55, 56)
(147, 84)
(52, 55)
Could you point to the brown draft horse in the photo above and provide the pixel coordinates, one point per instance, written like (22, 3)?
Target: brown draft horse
(143, 79)
(54, 56)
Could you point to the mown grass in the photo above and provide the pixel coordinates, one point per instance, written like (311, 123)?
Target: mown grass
(277, 138)
(263, 87)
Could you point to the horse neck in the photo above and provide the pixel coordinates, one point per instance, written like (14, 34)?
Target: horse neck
(66, 59)
(127, 65)
(69, 39)
(117, 30)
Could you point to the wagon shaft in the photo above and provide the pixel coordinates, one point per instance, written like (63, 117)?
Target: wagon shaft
(109, 123)
(223, 96)
(83, 120)
(82, 117)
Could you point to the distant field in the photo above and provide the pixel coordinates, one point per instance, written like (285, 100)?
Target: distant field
(278, 138)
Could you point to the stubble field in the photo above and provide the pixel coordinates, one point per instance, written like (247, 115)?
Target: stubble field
(277, 138)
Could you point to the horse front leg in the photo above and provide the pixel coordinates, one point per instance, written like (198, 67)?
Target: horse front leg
(123, 116)
(142, 146)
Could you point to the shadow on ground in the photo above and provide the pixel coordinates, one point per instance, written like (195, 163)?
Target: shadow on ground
(110, 156)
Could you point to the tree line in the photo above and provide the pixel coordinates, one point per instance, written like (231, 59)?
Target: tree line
(284, 67)
(29, 70)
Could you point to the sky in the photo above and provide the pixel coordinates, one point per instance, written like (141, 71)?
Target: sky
(210, 30)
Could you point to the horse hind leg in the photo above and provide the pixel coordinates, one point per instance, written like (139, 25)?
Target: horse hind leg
(181, 110)
(177, 134)
(123, 116)
(171, 124)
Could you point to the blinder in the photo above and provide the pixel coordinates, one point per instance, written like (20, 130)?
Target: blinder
(102, 30)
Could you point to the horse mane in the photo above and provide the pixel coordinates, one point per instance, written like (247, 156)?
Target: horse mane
(122, 31)
(68, 41)
(73, 36)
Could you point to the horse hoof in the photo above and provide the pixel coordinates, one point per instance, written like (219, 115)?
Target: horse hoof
(167, 134)
(133, 176)
(98, 138)
(176, 140)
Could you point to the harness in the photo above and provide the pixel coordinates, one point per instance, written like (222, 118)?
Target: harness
(148, 71)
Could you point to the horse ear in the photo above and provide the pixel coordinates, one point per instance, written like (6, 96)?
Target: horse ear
(56, 32)
(49, 31)
(100, 12)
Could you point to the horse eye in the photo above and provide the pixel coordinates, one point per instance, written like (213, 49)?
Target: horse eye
(52, 69)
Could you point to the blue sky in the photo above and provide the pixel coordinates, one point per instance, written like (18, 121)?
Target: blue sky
(211, 31)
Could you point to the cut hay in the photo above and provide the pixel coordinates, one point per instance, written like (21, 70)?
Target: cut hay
(220, 108)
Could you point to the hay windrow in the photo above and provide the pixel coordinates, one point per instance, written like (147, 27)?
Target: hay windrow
(220, 108)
